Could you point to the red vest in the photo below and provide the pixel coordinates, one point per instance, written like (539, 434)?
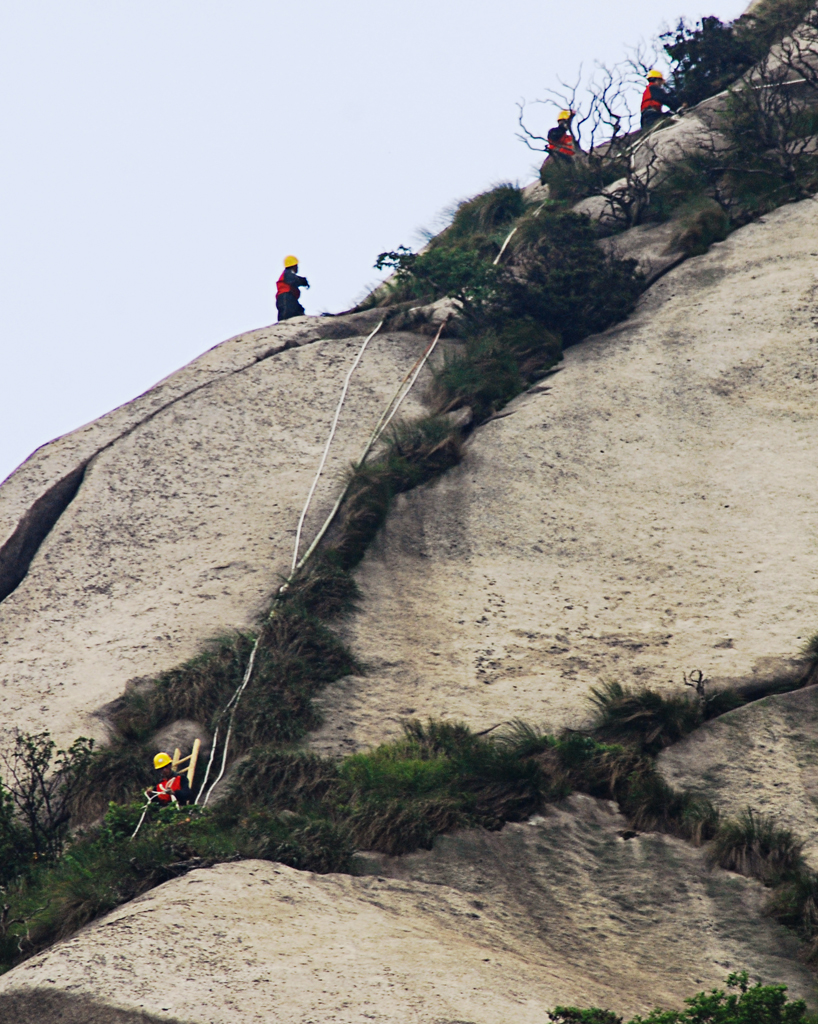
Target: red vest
(648, 102)
(565, 145)
(282, 287)
(166, 787)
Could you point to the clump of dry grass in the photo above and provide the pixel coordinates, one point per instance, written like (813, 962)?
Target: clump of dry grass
(754, 845)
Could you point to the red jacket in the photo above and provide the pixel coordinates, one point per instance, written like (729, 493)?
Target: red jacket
(560, 140)
(291, 283)
(648, 102)
(166, 787)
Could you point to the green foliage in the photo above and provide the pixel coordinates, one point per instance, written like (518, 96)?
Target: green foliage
(707, 58)
(494, 365)
(756, 1004)
(794, 903)
(114, 773)
(399, 796)
(413, 453)
(701, 222)
(573, 1015)
(297, 655)
(754, 845)
(769, 161)
(16, 850)
(564, 281)
(459, 271)
(809, 652)
(710, 56)
(611, 771)
(570, 182)
(648, 720)
(42, 785)
(486, 213)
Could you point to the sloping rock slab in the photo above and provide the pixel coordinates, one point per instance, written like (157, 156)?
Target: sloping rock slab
(185, 519)
(762, 756)
(648, 510)
(46, 1006)
(487, 928)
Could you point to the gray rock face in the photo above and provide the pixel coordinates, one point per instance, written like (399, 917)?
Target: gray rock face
(185, 519)
(761, 756)
(487, 928)
(648, 510)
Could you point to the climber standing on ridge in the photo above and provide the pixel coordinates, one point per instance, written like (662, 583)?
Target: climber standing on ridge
(171, 786)
(562, 145)
(288, 290)
(654, 98)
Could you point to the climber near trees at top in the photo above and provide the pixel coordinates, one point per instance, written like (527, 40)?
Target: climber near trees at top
(288, 290)
(171, 785)
(562, 145)
(654, 98)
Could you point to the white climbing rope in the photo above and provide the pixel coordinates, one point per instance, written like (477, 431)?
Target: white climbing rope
(509, 236)
(209, 763)
(420, 364)
(147, 807)
(385, 419)
(234, 701)
(329, 442)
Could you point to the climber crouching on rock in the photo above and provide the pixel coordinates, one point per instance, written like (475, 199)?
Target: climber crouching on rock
(288, 290)
(171, 786)
(562, 145)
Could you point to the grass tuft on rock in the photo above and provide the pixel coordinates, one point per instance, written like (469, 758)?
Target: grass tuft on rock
(754, 845)
(647, 719)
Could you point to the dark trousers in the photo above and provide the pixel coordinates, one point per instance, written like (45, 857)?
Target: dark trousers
(287, 306)
(650, 117)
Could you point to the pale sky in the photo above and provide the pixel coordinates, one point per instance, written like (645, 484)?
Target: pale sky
(161, 157)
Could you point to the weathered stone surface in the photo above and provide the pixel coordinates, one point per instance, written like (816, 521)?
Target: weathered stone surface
(181, 735)
(185, 520)
(648, 510)
(763, 756)
(487, 928)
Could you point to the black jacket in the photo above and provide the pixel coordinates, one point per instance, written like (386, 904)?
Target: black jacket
(295, 282)
(664, 97)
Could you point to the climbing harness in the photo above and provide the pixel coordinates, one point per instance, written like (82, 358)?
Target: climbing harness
(385, 419)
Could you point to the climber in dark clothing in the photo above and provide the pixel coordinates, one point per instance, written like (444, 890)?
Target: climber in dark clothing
(654, 98)
(288, 290)
(562, 145)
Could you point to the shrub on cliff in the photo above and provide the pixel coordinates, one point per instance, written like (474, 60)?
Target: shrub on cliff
(709, 56)
(37, 802)
(756, 1004)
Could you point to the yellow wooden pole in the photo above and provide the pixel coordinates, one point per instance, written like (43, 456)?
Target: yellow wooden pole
(194, 757)
(177, 753)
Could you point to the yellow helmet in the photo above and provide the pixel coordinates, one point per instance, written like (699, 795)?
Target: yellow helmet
(564, 115)
(161, 760)
(290, 261)
(655, 74)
